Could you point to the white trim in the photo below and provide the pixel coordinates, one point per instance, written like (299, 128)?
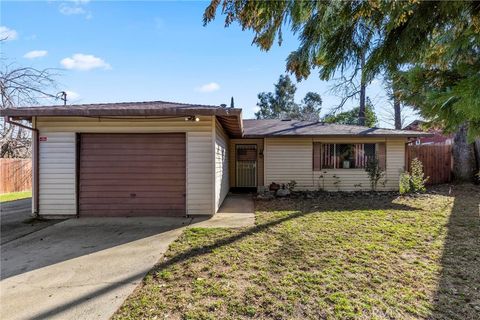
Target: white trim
(187, 212)
(213, 154)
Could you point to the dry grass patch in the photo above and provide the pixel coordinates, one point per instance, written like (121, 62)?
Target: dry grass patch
(335, 256)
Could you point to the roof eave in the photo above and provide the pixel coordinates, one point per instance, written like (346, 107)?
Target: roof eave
(120, 112)
(232, 116)
(252, 136)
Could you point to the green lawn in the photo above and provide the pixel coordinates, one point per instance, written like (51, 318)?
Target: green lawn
(333, 257)
(15, 196)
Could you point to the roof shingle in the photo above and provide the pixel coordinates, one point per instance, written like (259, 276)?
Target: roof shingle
(231, 119)
(274, 127)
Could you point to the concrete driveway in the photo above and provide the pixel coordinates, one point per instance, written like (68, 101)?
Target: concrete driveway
(16, 220)
(85, 268)
(81, 268)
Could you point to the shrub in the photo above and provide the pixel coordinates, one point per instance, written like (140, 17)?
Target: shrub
(415, 180)
(375, 173)
(404, 183)
(417, 177)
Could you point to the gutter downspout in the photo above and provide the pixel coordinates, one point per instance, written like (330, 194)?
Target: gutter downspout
(35, 164)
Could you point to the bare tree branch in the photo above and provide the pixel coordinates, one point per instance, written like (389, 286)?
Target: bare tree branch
(20, 87)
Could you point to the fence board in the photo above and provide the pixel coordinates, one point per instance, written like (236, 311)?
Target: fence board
(15, 175)
(436, 160)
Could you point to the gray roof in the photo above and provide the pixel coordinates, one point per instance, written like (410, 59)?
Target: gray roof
(145, 108)
(230, 118)
(273, 128)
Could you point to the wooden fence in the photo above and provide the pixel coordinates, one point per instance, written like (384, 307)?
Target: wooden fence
(436, 160)
(15, 175)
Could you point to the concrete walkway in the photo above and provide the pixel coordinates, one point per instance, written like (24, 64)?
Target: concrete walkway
(85, 268)
(237, 211)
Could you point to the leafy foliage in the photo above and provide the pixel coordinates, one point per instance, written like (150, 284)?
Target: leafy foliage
(404, 183)
(311, 106)
(281, 103)
(415, 180)
(440, 40)
(278, 103)
(374, 171)
(351, 117)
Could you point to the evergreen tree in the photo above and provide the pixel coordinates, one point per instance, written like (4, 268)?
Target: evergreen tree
(351, 117)
(442, 38)
(311, 107)
(281, 103)
(435, 43)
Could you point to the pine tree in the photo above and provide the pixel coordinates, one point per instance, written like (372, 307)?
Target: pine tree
(436, 44)
(281, 103)
(350, 117)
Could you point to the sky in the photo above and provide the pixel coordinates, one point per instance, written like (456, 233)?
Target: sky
(119, 51)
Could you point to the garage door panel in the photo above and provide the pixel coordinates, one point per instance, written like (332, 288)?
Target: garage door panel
(153, 167)
(133, 158)
(146, 193)
(133, 209)
(132, 174)
(137, 138)
(124, 150)
(166, 175)
(137, 169)
(124, 163)
(133, 204)
(96, 142)
(138, 212)
(117, 185)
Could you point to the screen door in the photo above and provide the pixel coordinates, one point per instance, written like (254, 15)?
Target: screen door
(246, 165)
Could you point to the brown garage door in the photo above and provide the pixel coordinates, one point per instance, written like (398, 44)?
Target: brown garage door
(132, 175)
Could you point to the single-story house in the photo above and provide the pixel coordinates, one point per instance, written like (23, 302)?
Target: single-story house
(173, 159)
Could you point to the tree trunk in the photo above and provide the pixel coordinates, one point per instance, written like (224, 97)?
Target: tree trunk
(397, 111)
(463, 156)
(363, 87)
(476, 147)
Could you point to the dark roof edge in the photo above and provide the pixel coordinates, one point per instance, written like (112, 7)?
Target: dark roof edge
(73, 111)
(391, 135)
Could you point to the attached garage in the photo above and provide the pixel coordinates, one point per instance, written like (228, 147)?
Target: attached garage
(129, 159)
(132, 174)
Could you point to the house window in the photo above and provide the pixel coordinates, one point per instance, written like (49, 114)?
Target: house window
(347, 155)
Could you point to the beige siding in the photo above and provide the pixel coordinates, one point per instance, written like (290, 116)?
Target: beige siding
(232, 159)
(289, 159)
(395, 163)
(199, 173)
(57, 173)
(200, 180)
(221, 165)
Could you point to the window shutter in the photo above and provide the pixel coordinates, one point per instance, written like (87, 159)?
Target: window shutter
(382, 155)
(317, 146)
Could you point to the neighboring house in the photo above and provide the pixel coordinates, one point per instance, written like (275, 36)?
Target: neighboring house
(437, 136)
(162, 158)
